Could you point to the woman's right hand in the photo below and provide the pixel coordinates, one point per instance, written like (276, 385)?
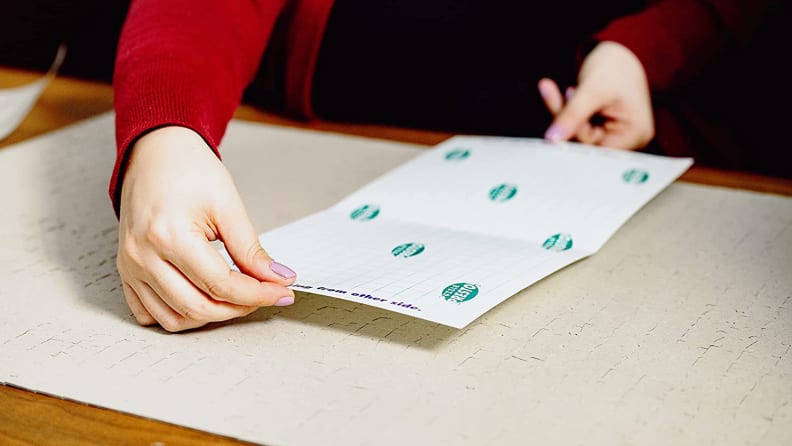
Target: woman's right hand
(176, 198)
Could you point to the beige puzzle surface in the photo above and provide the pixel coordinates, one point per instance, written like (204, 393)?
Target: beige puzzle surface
(677, 331)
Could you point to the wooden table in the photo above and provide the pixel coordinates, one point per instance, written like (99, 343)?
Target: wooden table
(28, 417)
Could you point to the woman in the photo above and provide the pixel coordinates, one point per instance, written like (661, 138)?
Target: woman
(645, 79)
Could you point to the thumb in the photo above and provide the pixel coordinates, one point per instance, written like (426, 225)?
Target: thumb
(242, 243)
(575, 114)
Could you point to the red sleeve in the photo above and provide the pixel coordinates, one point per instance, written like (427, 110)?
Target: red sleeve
(676, 39)
(185, 62)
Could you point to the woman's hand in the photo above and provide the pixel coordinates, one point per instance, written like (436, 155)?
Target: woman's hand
(612, 84)
(176, 198)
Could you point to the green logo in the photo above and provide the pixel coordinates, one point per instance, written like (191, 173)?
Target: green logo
(457, 155)
(460, 292)
(635, 176)
(503, 192)
(407, 250)
(558, 242)
(365, 212)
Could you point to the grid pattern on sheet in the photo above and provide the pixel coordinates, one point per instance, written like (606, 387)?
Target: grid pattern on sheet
(560, 188)
(330, 251)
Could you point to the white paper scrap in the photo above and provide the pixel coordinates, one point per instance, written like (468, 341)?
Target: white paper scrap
(16, 102)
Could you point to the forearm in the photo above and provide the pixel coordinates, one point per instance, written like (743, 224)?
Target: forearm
(185, 62)
(676, 39)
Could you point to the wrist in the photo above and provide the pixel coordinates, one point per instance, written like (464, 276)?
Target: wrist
(161, 156)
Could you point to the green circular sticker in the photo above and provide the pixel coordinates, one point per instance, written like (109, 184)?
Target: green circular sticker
(503, 192)
(365, 212)
(457, 155)
(635, 176)
(460, 292)
(558, 242)
(408, 250)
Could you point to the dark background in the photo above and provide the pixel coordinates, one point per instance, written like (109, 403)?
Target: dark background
(752, 89)
(31, 30)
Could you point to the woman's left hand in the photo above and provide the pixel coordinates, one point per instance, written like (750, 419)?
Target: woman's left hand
(612, 84)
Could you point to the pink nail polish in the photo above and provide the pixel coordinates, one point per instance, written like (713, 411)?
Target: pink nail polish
(282, 270)
(555, 133)
(284, 301)
(544, 91)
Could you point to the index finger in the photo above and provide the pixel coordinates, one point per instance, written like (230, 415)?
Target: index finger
(574, 115)
(551, 95)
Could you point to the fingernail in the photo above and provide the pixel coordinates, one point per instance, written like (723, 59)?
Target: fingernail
(282, 270)
(284, 301)
(555, 133)
(544, 91)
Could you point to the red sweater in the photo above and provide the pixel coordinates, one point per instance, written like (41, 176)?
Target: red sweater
(187, 63)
